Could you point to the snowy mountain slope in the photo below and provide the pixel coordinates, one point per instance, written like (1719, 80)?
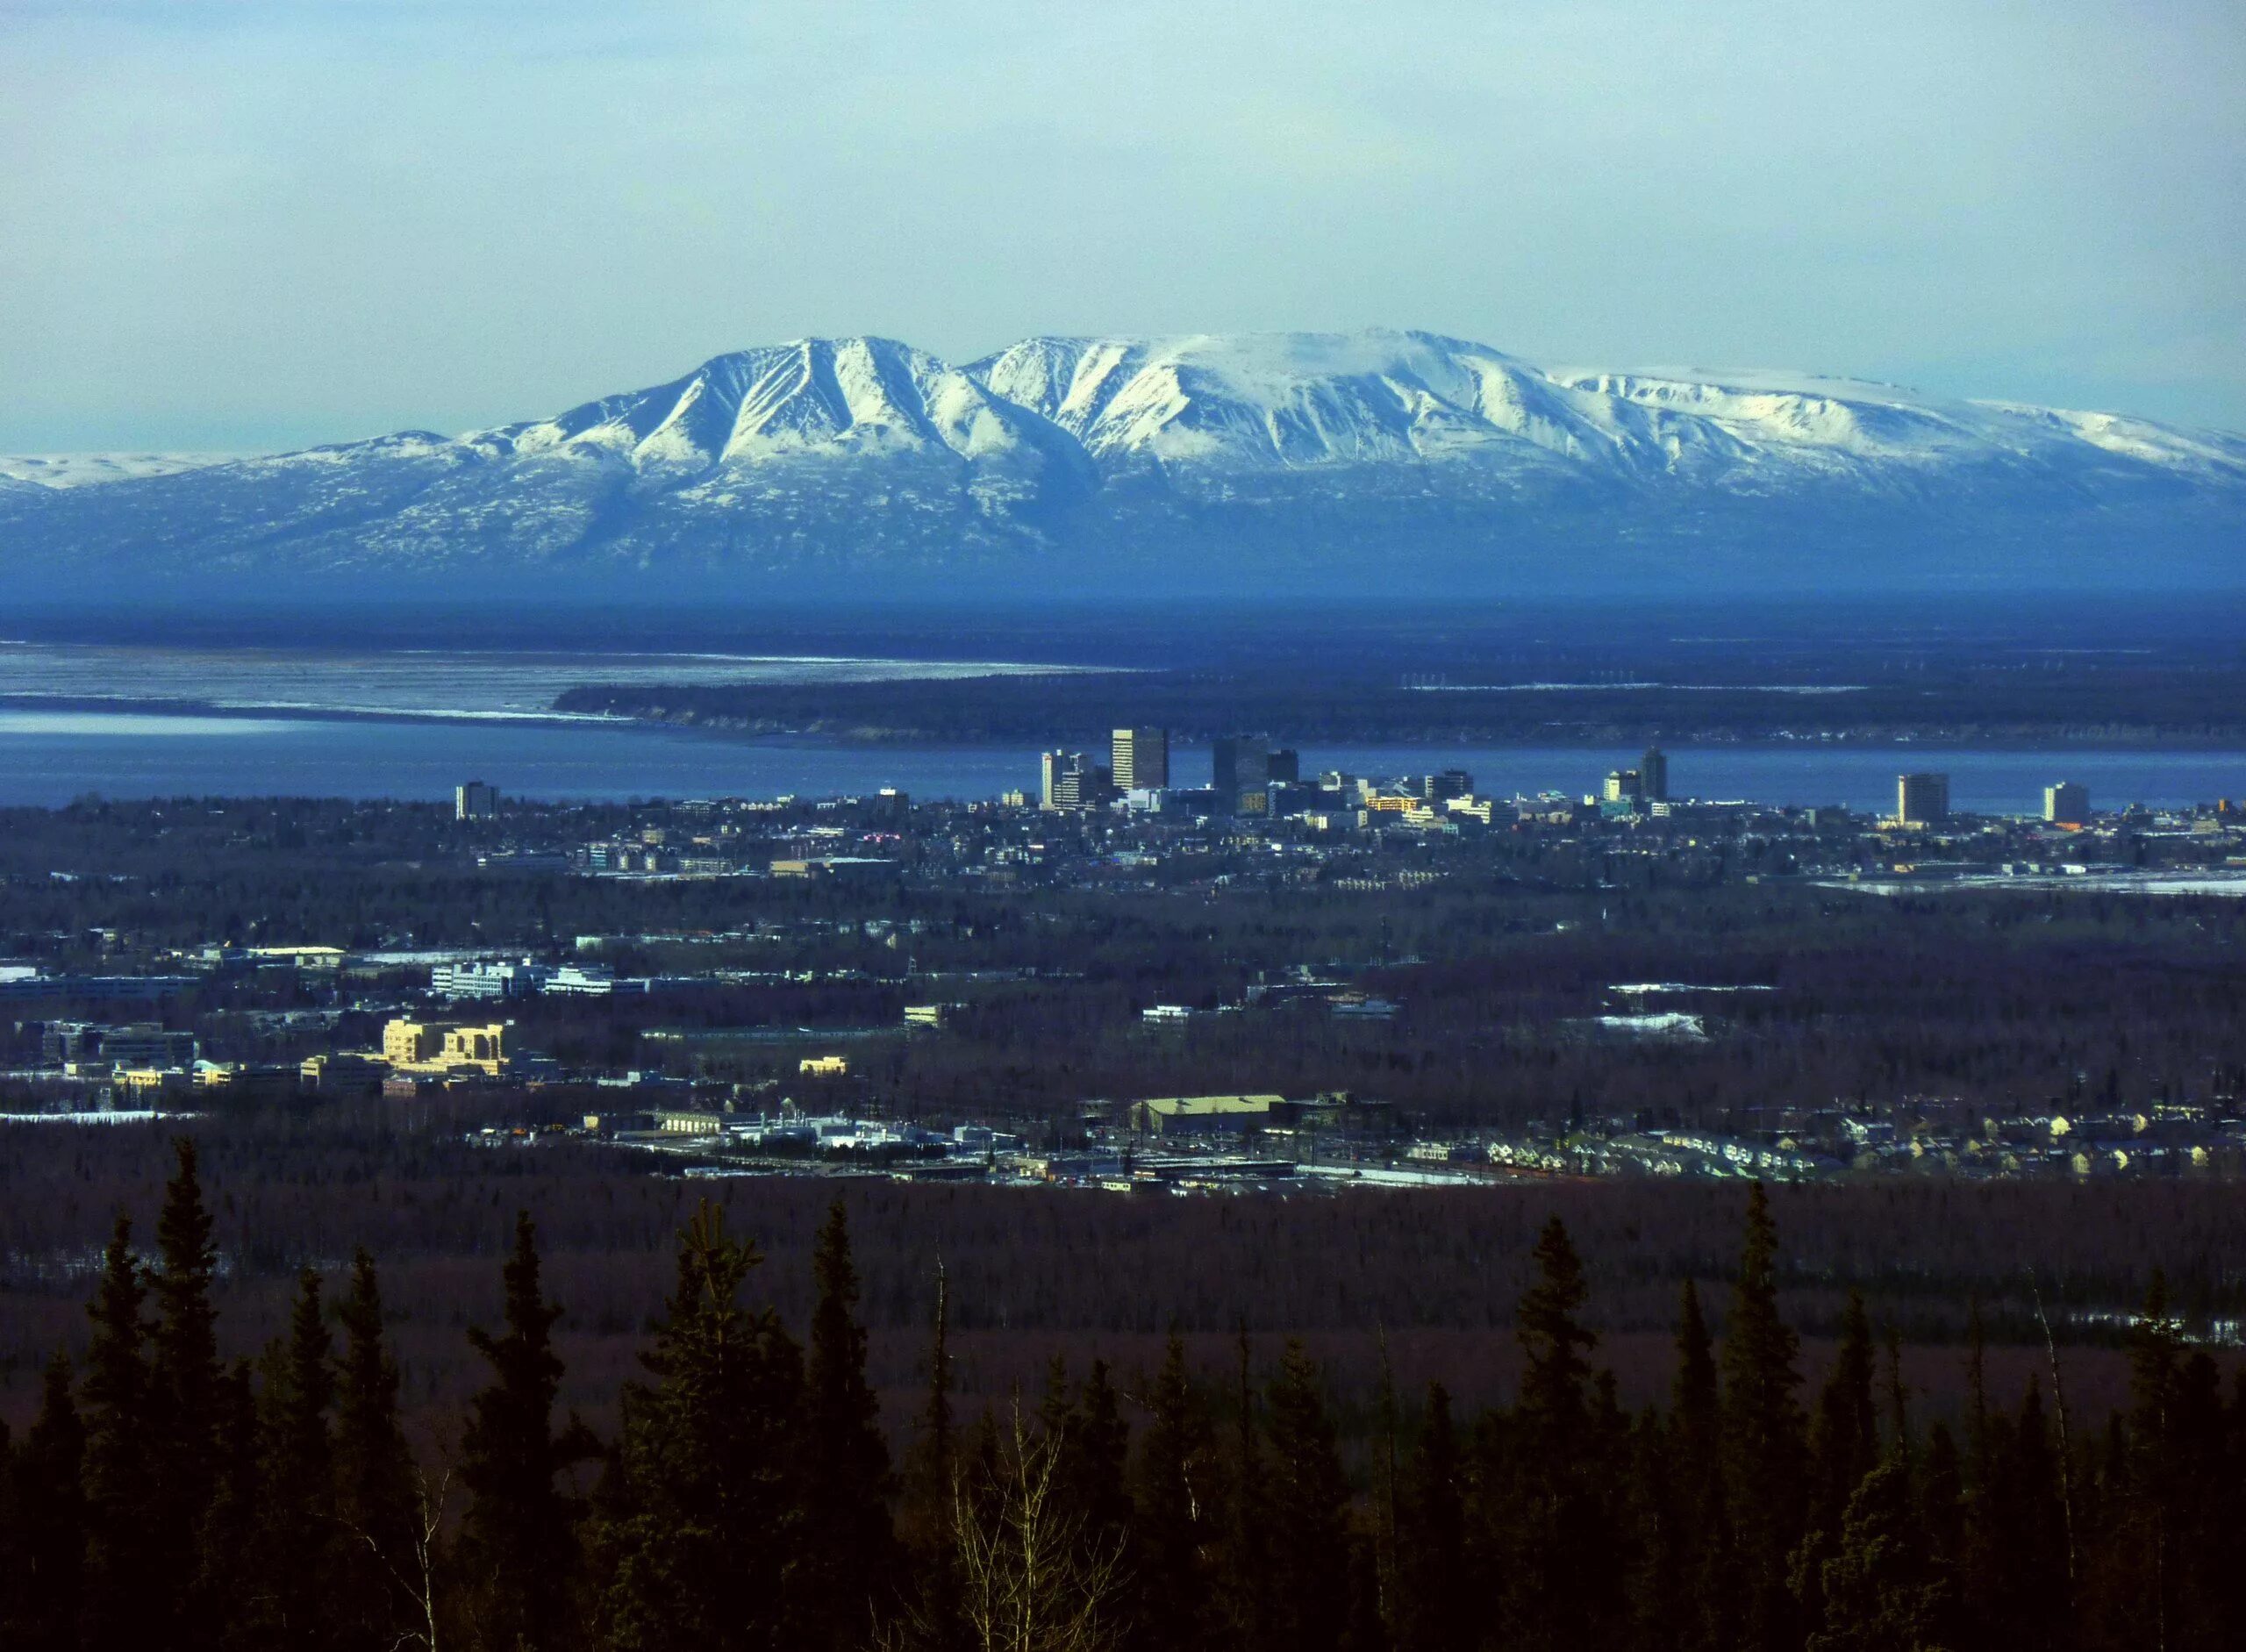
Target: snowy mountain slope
(815, 399)
(1327, 461)
(77, 470)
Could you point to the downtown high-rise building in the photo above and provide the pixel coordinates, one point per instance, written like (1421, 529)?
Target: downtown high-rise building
(1653, 776)
(1141, 759)
(2067, 804)
(1922, 799)
(475, 801)
(1066, 780)
(1240, 766)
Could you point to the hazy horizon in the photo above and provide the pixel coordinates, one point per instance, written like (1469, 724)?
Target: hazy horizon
(276, 223)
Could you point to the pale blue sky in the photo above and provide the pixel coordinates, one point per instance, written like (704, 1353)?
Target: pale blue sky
(239, 224)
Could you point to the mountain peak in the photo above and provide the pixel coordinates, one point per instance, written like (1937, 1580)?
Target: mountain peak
(1347, 457)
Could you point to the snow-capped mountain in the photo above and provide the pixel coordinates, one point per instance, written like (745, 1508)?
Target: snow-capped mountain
(1334, 462)
(78, 470)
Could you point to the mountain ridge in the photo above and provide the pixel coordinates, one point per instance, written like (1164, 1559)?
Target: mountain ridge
(1316, 461)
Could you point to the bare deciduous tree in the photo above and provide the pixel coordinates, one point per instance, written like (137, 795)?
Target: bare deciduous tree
(1028, 1580)
(414, 1570)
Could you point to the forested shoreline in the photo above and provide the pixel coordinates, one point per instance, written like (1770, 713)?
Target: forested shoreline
(2151, 706)
(747, 1495)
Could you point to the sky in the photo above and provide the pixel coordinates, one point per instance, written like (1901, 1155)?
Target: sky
(234, 225)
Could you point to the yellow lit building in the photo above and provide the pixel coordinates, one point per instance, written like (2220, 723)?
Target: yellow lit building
(823, 1066)
(441, 1046)
(1203, 1115)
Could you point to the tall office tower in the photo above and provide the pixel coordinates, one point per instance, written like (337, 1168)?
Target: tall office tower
(2067, 804)
(1141, 759)
(1922, 799)
(1653, 776)
(1445, 784)
(1284, 767)
(475, 801)
(1240, 765)
(1057, 772)
(1622, 784)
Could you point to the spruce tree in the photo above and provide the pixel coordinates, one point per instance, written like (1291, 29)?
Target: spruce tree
(2023, 1589)
(933, 1490)
(1245, 1581)
(1941, 1520)
(1844, 1431)
(374, 1475)
(1554, 1343)
(701, 1539)
(1698, 1557)
(1097, 1495)
(233, 1598)
(11, 1529)
(1365, 1626)
(10, 1522)
(1562, 1541)
(119, 1614)
(296, 1527)
(48, 1555)
(1307, 1500)
(1693, 1395)
(520, 1528)
(1878, 1592)
(1979, 1451)
(930, 1465)
(184, 1379)
(849, 1565)
(1899, 1399)
(2203, 1482)
(1763, 1434)
(1177, 1500)
(2156, 1465)
(1659, 1615)
(1433, 1611)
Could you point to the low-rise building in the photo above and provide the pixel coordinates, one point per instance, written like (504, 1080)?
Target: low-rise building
(484, 979)
(441, 1046)
(1203, 1115)
(238, 1081)
(342, 1072)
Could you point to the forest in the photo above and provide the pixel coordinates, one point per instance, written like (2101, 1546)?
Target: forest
(1988, 704)
(741, 1488)
(1620, 673)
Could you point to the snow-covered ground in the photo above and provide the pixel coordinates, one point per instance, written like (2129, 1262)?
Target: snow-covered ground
(77, 470)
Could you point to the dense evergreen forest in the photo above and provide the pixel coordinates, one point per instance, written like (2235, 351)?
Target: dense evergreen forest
(745, 1493)
(1093, 1272)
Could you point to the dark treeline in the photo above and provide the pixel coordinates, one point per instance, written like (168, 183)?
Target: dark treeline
(2111, 699)
(746, 1496)
(1089, 1271)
